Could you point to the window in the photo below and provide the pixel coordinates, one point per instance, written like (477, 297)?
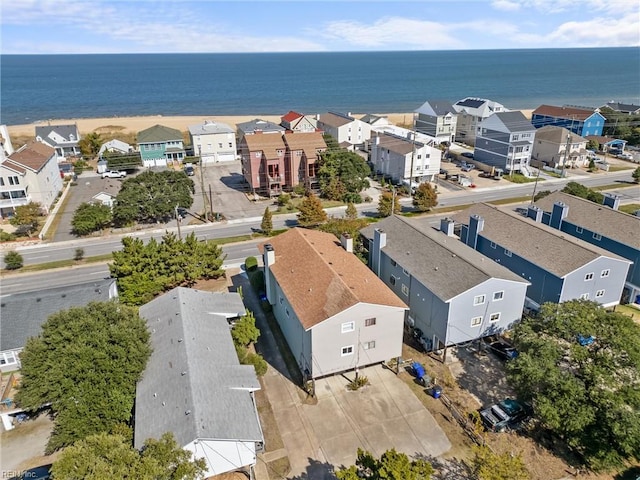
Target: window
(281, 300)
(286, 310)
(258, 154)
(392, 280)
(369, 322)
(348, 327)
(1, 182)
(230, 145)
(493, 245)
(498, 295)
(219, 144)
(507, 252)
(605, 273)
(494, 317)
(347, 350)
(597, 236)
(588, 276)
(600, 293)
(405, 272)
(578, 229)
(369, 345)
(405, 290)
(14, 181)
(393, 263)
(478, 300)
(584, 296)
(476, 321)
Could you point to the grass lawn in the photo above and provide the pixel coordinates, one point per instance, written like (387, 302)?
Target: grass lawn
(631, 208)
(519, 178)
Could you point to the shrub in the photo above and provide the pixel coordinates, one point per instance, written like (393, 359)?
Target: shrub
(299, 190)
(258, 363)
(6, 237)
(358, 383)
(79, 254)
(13, 260)
(284, 199)
(251, 263)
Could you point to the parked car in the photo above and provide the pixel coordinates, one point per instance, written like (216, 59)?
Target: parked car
(500, 347)
(506, 414)
(467, 154)
(114, 174)
(625, 156)
(189, 170)
(468, 167)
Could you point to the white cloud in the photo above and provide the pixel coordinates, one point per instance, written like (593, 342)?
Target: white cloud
(606, 32)
(506, 5)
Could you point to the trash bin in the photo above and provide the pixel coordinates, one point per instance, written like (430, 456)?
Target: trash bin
(436, 391)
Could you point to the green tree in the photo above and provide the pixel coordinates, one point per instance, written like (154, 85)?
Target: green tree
(13, 260)
(331, 142)
(593, 145)
(636, 175)
(267, 222)
(27, 217)
(391, 466)
(78, 254)
(348, 168)
(90, 144)
(351, 213)
(487, 465)
(425, 197)
(592, 165)
(586, 395)
(244, 331)
(152, 197)
(541, 195)
(579, 190)
(86, 363)
(112, 456)
(388, 203)
(91, 217)
(311, 212)
(146, 270)
(283, 199)
(258, 362)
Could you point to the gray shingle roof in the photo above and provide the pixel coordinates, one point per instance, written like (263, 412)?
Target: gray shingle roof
(606, 221)
(335, 119)
(445, 265)
(194, 385)
(556, 252)
(210, 127)
(22, 315)
(68, 132)
(259, 125)
(436, 108)
(515, 121)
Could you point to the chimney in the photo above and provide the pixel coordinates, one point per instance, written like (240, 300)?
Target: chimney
(611, 200)
(446, 226)
(347, 242)
(535, 213)
(476, 225)
(379, 242)
(268, 259)
(559, 213)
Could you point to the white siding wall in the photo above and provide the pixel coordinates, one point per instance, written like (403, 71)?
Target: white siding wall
(223, 456)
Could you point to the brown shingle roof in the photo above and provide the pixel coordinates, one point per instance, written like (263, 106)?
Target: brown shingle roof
(558, 135)
(268, 144)
(611, 223)
(334, 120)
(307, 142)
(320, 279)
(398, 145)
(570, 113)
(33, 156)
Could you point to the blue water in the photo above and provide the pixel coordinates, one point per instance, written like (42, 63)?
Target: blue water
(39, 87)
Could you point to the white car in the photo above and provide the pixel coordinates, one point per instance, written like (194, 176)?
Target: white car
(114, 174)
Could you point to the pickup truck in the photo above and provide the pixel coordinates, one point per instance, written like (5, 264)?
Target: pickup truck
(114, 174)
(506, 414)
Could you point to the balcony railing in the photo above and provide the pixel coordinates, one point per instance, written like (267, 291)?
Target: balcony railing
(14, 202)
(274, 178)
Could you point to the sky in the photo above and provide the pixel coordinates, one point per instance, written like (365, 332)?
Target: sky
(145, 26)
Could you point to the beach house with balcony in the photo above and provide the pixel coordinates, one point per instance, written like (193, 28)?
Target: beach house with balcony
(505, 140)
(29, 174)
(602, 225)
(438, 119)
(302, 156)
(257, 126)
(348, 131)
(213, 142)
(263, 162)
(558, 266)
(581, 121)
(63, 138)
(455, 294)
(334, 313)
(558, 147)
(471, 111)
(160, 145)
(298, 122)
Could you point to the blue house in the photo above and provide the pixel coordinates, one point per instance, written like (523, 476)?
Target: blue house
(559, 267)
(160, 145)
(581, 121)
(601, 225)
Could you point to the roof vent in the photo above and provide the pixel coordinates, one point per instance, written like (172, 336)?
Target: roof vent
(163, 404)
(183, 373)
(38, 299)
(436, 269)
(188, 412)
(179, 340)
(155, 394)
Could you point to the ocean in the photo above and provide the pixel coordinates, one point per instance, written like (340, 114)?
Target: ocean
(42, 87)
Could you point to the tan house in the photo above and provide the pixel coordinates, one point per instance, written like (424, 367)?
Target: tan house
(301, 159)
(214, 142)
(551, 145)
(335, 314)
(298, 122)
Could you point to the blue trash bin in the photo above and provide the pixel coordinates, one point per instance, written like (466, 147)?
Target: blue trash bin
(436, 391)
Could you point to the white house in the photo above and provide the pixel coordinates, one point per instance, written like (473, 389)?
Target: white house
(471, 111)
(551, 145)
(214, 142)
(438, 119)
(115, 146)
(64, 138)
(30, 174)
(347, 130)
(298, 122)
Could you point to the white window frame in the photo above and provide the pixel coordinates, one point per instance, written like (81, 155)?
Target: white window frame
(369, 345)
(579, 230)
(600, 293)
(405, 290)
(584, 296)
(501, 297)
(346, 351)
(495, 317)
(476, 322)
(392, 280)
(588, 276)
(597, 236)
(479, 300)
(347, 327)
(507, 252)
(493, 245)
(370, 322)
(605, 273)
(406, 272)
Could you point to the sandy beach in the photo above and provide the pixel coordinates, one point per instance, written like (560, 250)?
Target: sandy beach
(136, 124)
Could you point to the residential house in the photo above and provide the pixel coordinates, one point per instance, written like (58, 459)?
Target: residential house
(334, 313)
(263, 162)
(257, 126)
(30, 174)
(394, 154)
(348, 131)
(375, 120)
(193, 385)
(159, 145)
(298, 122)
(454, 293)
(581, 121)
(607, 144)
(22, 315)
(559, 267)
(601, 225)
(6, 147)
(104, 198)
(505, 141)
(438, 119)
(63, 138)
(557, 147)
(213, 142)
(115, 146)
(628, 108)
(301, 158)
(471, 111)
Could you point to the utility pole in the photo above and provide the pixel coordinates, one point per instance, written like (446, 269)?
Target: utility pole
(204, 194)
(566, 153)
(413, 154)
(178, 220)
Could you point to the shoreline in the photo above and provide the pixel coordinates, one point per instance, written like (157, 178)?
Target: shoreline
(135, 124)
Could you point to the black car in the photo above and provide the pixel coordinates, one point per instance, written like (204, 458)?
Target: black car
(500, 347)
(467, 154)
(506, 414)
